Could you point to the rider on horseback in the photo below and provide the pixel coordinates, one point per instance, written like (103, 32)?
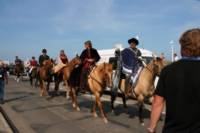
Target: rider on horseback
(18, 67)
(62, 61)
(131, 62)
(43, 57)
(89, 57)
(32, 64)
(17, 61)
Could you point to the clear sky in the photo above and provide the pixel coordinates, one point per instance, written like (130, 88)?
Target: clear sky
(27, 26)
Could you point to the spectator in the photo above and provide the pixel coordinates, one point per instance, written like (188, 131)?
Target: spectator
(3, 79)
(176, 58)
(179, 88)
(162, 56)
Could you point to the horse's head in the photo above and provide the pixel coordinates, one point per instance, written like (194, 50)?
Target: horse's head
(48, 64)
(158, 65)
(108, 70)
(75, 61)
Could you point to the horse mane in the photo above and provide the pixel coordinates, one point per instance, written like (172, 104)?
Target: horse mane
(72, 62)
(101, 67)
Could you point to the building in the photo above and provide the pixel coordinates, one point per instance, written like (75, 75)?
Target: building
(106, 54)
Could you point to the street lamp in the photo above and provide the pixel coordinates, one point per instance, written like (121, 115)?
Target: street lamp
(172, 49)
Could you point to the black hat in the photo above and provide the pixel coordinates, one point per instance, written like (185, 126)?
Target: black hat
(44, 51)
(134, 40)
(88, 42)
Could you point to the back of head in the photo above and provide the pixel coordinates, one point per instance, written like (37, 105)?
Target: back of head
(44, 51)
(190, 43)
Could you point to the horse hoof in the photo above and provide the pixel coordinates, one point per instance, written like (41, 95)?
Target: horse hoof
(67, 97)
(78, 109)
(105, 120)
(74, 105)
(95, 115)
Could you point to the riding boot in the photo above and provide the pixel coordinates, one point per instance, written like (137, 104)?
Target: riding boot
(127, 85)
(83, 81)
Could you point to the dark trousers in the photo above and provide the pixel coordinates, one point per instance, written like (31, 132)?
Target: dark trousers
(84, 78)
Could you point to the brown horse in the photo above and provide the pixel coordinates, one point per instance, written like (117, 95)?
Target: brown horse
(67, 70)
(18, 70)
(99, 77)
(144, 87)
(44, 76)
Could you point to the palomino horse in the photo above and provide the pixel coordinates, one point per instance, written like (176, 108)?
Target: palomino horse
(99, 78)
(44, 76)
(18, 70)
(144, 87)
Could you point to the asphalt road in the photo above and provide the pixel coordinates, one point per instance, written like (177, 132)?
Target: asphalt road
(32, 113)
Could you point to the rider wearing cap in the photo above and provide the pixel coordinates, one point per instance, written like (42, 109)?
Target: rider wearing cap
(43, 57)
(131, 61)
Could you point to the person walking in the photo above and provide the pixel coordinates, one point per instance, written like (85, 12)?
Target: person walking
(3, 80)
(179, 88)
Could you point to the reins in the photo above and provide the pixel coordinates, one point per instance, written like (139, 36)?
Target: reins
(90, 76)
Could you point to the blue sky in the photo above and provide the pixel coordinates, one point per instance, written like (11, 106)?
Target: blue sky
(27, 26)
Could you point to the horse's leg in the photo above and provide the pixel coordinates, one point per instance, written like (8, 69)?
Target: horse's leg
(124, 100)
(47, 87)
(98, 100)
(31, 80)
(45, 93)
(141, 107)
(41, 88)
(94, 113)
(57, 82)
(18, 76)
(74, 99)
(67, 89)
(113, 98)
(37, 78)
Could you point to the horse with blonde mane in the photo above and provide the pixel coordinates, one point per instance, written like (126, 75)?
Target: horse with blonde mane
(144, 87)
(99, 78)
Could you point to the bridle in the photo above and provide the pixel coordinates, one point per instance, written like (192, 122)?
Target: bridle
(93, 78)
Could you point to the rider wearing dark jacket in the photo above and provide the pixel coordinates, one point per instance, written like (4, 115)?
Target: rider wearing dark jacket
(43, 57)
(130, 55)
(89, 57)
(131, 64)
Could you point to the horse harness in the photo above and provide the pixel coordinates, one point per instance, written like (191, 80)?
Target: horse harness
(92, 68)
